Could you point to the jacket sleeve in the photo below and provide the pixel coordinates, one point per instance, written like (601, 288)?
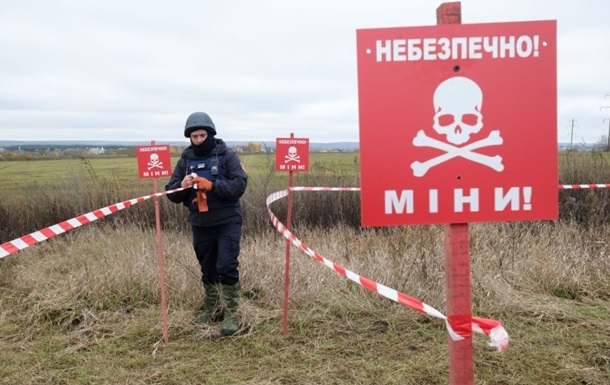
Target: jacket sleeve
(175, 182)
(235, 180)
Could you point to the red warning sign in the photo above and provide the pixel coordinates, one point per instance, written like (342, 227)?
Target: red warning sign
(458, 123)
(292, 154)
(154, 161)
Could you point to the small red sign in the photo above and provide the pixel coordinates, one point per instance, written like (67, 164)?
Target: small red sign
(292, 154)
(458, 123)
(154, 161)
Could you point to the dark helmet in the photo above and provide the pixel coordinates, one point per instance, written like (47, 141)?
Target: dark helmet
(199, 120)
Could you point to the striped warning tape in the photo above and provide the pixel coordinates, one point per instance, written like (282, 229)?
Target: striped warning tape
(577, 186)
(21, 243)
(49, 232)
(458, 327)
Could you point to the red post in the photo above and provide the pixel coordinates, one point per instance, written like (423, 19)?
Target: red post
(457, 286)
(160, 258)
(287, 270)
(449, 13)
(457, 261)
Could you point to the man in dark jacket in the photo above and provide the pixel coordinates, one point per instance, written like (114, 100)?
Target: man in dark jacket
(214, 181)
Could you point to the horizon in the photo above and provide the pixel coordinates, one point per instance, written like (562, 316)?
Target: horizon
(138, 142)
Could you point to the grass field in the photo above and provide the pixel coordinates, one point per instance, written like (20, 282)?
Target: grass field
(84, 307)
(51, 172)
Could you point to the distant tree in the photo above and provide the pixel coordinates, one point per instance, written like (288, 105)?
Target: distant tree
(254, 147)
(176, 150)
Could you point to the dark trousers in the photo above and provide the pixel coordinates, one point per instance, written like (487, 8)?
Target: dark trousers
(217, 250)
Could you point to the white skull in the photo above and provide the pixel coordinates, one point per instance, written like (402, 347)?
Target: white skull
(154, 158)
(457, 103)
(292, 152)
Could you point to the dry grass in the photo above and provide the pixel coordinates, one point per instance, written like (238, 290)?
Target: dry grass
(85, 309)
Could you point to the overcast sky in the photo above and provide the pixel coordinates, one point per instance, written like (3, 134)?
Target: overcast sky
(134, 70)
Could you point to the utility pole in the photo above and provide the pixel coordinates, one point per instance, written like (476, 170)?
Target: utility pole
(608, 137)
(572, 136)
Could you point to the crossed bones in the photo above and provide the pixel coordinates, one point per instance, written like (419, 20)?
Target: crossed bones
(294, 158)
(153, 165)
(451, 151)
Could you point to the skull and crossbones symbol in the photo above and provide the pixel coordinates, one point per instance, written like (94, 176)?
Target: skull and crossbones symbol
(292, 155)
(154, 162)
(457, 105)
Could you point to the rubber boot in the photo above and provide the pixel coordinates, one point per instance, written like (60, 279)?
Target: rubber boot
(212, 311)
(230, 323)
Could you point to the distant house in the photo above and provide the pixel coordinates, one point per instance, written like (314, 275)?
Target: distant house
(97, 151)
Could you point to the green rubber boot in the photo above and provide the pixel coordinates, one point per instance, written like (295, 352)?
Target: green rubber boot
(230, 323)
(212, 311)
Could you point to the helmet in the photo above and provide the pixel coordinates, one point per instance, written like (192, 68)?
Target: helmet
(199, 120)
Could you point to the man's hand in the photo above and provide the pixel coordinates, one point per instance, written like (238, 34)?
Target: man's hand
(202, 183)
(188, 180)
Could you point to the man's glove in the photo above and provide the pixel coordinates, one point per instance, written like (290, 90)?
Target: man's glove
(202, 183)
(202, 201)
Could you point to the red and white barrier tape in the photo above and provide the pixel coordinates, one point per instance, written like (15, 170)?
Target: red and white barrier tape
(49, 232)
(21, 243)
(457, 327)
(578, 186)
